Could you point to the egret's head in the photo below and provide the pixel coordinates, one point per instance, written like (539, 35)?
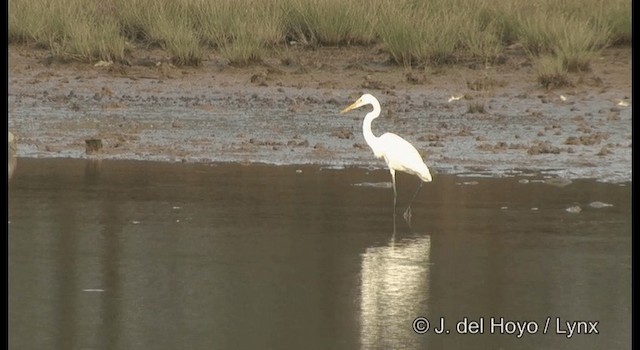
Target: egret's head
(365, 99)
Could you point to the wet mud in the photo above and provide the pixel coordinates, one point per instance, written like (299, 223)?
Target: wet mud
(475, 119)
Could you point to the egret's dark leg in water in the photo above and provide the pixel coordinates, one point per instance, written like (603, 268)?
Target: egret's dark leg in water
(407, 212)
(395, 194)
(395, 197)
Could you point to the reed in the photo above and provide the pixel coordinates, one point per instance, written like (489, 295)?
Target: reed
(412, 32)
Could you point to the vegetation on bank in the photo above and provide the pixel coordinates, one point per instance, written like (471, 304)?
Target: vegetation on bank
(561, 36)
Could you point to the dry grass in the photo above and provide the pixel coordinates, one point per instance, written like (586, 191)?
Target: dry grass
(428, 34)
(69, 29)
(412, 32)
(330, 22)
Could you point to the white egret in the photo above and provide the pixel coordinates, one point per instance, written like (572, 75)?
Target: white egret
(397, 152)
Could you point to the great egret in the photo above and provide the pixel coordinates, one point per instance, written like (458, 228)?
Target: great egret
(397, 152)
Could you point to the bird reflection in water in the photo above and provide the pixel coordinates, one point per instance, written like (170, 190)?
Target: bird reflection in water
(394, 289)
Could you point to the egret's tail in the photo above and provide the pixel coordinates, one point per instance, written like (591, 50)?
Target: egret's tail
(425, 175)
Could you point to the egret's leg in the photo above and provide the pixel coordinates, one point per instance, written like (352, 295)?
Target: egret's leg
(395, 194)
(407, 212)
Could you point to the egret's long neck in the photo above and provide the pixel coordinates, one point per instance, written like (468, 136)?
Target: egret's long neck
(371, 139)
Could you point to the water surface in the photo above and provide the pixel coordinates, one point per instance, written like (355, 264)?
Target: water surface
(143, 255)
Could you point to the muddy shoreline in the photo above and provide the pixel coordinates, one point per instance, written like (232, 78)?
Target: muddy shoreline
(286, 111)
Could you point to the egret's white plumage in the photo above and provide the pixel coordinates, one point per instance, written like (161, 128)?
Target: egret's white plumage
(397, 152)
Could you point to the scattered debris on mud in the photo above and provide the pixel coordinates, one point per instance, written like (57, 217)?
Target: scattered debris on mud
(287, 112)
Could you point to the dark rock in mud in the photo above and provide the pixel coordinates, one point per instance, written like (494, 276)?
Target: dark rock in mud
(93, 146)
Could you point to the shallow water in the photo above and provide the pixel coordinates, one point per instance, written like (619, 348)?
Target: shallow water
(143, 255)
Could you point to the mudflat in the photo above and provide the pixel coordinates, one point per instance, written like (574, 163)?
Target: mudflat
(465, 118)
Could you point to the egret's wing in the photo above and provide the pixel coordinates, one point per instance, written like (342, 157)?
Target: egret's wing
(402, 156)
